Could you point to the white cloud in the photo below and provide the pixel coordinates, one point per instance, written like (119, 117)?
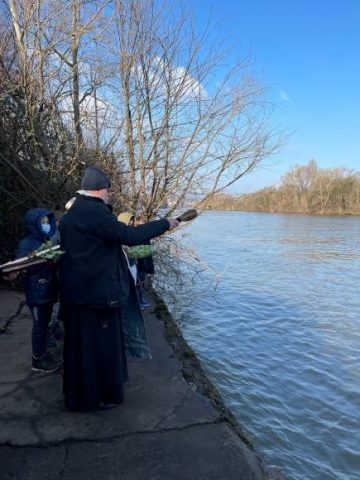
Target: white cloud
(179, 79)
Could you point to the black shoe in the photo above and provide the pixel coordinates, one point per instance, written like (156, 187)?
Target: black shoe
(145, 303)
(105, 406)
(45, 363)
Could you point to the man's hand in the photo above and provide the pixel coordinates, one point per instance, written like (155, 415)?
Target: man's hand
(173, 223)
(11, 276)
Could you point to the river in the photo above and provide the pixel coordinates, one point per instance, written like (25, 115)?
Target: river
(280, 334)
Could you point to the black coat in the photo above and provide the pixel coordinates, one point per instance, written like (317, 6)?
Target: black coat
(91, 272)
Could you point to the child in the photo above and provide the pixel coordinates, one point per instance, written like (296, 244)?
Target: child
(144, 266)
(40, 285)
(128, 219)
(138, 267)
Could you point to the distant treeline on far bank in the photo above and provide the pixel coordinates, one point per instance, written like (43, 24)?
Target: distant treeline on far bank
(304, 189)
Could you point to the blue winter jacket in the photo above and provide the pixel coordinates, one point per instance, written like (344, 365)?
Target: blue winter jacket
(40, 282)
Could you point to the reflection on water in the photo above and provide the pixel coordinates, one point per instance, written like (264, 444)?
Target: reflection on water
(281, 337)
(329, 254)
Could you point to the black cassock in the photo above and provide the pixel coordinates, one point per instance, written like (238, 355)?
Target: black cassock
(95, 367)
(97, 303)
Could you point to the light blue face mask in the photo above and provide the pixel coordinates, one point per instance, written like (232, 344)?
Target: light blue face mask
(46, 227)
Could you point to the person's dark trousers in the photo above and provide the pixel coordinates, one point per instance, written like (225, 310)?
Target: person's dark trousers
(140, 285)
(41, 315)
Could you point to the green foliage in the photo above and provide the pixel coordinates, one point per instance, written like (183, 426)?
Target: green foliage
(43, 251)
(140, 251)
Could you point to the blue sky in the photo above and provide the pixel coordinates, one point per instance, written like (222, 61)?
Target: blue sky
(308, 52)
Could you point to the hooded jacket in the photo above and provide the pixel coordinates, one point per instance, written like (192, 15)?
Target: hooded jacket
(40, 281)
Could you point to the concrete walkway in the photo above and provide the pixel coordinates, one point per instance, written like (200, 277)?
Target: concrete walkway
(165, 429)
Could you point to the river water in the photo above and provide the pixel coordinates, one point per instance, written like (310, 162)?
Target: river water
(280, 335)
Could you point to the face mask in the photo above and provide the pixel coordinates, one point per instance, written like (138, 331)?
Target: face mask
(46, 227)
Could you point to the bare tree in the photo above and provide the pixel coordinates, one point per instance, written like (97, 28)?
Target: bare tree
(129, 85)
(304, 189)
(184, 135)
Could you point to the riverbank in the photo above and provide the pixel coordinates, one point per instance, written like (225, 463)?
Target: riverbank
(283, 212)
(166, 429)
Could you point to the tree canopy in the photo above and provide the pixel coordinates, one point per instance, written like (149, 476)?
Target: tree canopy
(304, 189)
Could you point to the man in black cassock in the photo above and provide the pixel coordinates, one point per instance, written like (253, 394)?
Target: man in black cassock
(94, 284)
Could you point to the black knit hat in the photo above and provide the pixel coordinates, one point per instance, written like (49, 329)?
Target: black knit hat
(94, 179)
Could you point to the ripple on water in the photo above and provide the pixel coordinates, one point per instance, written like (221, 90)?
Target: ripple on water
(281, 337)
